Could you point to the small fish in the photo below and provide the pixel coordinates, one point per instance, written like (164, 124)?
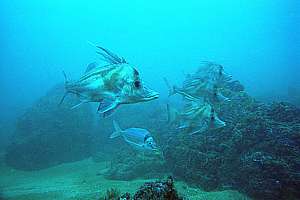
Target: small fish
(138, 138)
(111, 85)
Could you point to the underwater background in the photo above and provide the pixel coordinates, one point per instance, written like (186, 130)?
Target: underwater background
(52, 152)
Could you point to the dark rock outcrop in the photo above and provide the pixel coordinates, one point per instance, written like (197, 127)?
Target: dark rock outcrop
(49, 134)
(128, 164)
(256, 153)
(158, 190)
(155, 190)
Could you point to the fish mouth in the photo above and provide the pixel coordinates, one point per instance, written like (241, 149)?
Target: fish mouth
(227, 77)
(154, 96)
(156, 151)
(151, 96)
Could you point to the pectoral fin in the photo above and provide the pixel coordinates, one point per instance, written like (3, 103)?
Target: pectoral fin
(109, 112)
(200, 129)
(91, 66)
(107, 105)
(79, 104)
(221, 97)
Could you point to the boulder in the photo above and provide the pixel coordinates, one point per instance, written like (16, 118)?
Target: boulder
(256, 153)
(158, 190)
(49, 134)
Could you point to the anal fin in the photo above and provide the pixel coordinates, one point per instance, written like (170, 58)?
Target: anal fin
(79, 104)
(107, 106)
(109, 112)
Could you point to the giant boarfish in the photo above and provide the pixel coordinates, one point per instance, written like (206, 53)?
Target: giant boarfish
(195, 118)
(204, 84)
(111, 85)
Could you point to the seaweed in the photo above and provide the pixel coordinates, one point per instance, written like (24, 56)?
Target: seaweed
(112, 194)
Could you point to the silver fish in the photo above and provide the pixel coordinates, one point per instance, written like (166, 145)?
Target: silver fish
(195, 118)
(205, 83)
(111, 85)
(197, 92)
(213, 72)
(138, 138)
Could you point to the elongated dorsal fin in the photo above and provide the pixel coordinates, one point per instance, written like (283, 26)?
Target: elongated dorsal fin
(91, 66)
(109, 56)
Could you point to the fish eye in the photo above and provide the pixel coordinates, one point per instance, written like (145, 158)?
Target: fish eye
(220, 72)
(137, 84)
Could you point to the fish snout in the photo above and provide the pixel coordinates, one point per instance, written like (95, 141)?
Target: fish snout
(149, 94)
(156, 151)
(227, 77)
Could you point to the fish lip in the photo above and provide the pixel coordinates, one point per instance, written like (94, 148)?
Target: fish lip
(156, 150)
(228, 77)
(151, 97)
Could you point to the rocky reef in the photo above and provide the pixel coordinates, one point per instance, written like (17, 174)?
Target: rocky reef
(256, 153)
(49, 134)
(128, 165)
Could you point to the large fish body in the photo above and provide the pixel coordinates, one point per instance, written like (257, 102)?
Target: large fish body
(111, 85)
(198, 91)
(202, 90)
(205, 84)
(214, 73)
(138, 138)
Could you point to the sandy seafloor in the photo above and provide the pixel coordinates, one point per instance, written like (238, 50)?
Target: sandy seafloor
(83, 180)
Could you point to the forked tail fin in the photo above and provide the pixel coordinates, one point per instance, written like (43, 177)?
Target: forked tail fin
(172, 114)
(66, 92)
(118, 131)
(171, 89)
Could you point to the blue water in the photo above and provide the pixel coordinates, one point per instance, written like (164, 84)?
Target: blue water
(256, 41)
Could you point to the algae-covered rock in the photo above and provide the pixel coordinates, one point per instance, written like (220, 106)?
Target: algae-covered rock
(257, 152)
(154, 190)
(48, 134)
(158, 190)
(284, 112)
